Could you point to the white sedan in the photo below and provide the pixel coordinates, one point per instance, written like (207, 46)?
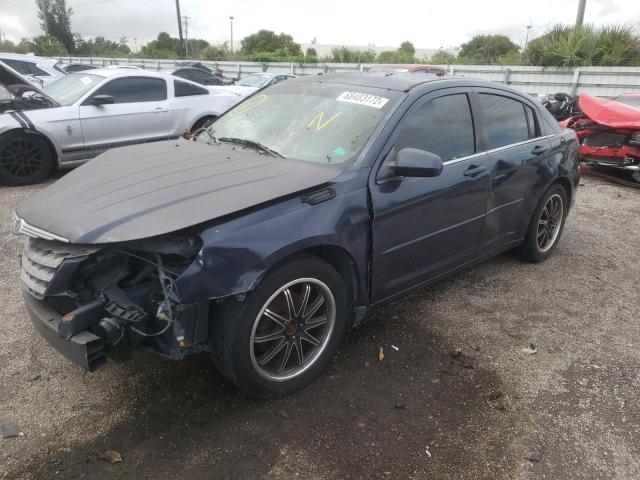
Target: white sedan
(83, 114)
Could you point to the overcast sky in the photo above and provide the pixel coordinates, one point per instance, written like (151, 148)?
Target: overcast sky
(428, 24)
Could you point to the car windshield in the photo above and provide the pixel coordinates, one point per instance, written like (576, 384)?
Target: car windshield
(256, 81)
(314, 122)
(632, 100)
(68, 89)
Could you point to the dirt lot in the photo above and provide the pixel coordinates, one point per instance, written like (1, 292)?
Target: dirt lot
(572, 408)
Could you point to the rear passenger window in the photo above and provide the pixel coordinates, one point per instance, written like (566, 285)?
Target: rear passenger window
(184, 89)
(506, 121)
(442, 126)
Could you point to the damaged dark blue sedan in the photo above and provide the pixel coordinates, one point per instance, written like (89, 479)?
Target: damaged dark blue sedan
(267, 235)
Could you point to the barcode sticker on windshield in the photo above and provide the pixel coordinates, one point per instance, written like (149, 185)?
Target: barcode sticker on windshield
(362, 99)
(86, 80)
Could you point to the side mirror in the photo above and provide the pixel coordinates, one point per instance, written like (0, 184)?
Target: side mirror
(412, 162)
(101, 99)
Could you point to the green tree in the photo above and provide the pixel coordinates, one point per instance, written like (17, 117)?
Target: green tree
(165, 46)
(487, 48)
(55, 19)
(216, 52)
(406, 53)
(101, 47)
(348, 55)
(407, 47)
(196, 47)
(266, 41)
(565, 46)
(45, 46)
(442, 57)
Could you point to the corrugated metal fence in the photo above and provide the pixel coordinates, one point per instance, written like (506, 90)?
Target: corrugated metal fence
(600, 81)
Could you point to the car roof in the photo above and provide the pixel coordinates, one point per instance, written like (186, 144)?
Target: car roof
(405, 82)
(397, 82)
(124, 72)
(27, 58)
(410, 65)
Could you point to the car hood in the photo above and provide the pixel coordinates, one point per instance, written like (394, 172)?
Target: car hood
(15, 83)
(609, 112)
(147, 190)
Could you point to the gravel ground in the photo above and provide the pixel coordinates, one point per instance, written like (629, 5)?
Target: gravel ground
(571, 410)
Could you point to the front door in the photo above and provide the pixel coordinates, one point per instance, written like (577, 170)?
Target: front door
(425, 227)
(139, 113)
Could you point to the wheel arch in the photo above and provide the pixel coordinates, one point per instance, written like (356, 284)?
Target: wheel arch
(202, 118)
(336, 256)
(49, 142)
(566, 184)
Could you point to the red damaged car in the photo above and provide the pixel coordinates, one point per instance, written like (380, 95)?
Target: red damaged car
(609, 133)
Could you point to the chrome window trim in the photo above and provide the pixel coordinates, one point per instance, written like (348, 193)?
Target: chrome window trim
(493, 150)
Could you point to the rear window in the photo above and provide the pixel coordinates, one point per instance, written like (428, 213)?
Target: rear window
(505, 120)
(184, 89)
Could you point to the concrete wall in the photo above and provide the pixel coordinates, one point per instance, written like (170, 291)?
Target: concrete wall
(600, 81)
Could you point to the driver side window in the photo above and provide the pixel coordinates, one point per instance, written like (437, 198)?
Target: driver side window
(135, 89)
(443, 126)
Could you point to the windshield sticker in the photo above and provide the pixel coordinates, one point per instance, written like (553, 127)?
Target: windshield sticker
(248, 105)
(317, 121)
(339, 152)
(86, 80)
(363, 99)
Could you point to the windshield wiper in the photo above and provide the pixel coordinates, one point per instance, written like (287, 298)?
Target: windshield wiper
(251, 144)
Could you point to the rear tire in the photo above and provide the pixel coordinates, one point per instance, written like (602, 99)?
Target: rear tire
(284, 333)
(546, 226)
(25, 158)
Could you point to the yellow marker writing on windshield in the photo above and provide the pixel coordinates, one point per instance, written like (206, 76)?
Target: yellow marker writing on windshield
(317, 120)
(248, 105)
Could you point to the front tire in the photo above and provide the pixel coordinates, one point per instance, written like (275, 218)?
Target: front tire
(203, 122)
(25, 159)
(285, 332)
(546, 226)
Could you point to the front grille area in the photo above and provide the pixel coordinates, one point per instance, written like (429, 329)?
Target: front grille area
(40, 260)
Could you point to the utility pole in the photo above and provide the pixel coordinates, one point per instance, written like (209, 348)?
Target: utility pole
(580, 17)
(186, 35)
(231, 45)
(180, 29)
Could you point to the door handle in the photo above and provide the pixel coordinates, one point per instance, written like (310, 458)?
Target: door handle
(539, 149)
(161, 110)
(474, 170)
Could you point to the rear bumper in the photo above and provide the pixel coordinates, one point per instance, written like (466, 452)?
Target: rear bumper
(84, 348)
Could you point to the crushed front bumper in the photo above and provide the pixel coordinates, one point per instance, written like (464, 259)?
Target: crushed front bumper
(84, 348)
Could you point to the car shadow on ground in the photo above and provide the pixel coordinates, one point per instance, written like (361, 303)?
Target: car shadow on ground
(414, 410)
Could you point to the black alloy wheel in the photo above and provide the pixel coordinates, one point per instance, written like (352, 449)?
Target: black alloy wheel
(24, 159)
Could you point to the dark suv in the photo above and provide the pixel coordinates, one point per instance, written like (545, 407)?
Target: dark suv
(272, 232)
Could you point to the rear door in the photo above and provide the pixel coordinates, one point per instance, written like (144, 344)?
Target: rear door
(424, 227)
(517, 155)
(140, 113)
